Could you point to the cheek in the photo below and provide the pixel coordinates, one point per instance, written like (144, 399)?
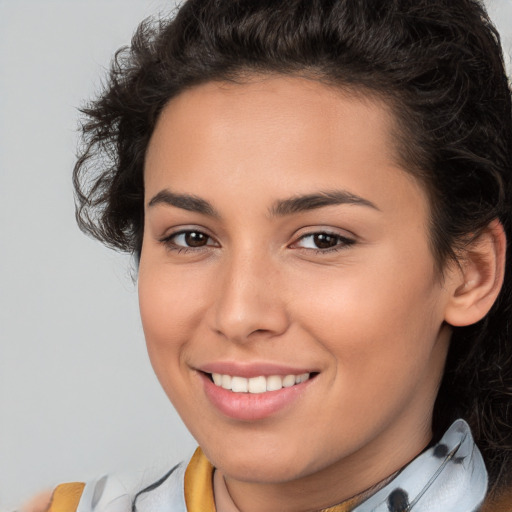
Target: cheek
(377, 319)
(383, 345)
(170, 309)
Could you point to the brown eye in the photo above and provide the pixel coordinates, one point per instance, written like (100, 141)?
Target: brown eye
(322, 241)
(195, 239)
(325, 241)
(188, 240)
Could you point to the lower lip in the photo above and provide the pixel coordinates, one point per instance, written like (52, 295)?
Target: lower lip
(251, 406)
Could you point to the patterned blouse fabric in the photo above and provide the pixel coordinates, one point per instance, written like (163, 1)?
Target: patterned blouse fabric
(449, 477)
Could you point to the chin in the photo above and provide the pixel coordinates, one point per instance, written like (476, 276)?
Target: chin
(270, 472)
(262, 462)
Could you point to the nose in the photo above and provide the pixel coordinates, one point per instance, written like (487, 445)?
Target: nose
(249, 302)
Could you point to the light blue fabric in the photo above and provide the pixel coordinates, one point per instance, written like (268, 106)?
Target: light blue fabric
(116, 494)
(449, 477)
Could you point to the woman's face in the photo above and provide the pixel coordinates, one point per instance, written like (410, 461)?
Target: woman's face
(283, 242)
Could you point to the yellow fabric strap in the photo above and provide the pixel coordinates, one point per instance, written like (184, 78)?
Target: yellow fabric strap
(198, 484)
(346, 506)
(66, 497)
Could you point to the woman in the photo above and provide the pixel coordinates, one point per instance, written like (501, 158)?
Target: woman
(317, 193)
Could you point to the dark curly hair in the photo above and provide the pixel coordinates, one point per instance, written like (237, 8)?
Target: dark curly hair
(437, 63)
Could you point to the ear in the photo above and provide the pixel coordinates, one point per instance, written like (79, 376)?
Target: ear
(477, 279)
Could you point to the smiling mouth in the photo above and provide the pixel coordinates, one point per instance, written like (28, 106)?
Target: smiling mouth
(259, 384)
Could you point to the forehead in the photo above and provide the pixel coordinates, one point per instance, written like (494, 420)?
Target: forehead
(263, 107)
(306, 132)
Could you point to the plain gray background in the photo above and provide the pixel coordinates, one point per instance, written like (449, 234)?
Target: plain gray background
(77, 394)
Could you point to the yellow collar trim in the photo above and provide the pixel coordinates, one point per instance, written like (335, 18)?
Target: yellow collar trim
(346, 506)
(66, 497)
(199, 484)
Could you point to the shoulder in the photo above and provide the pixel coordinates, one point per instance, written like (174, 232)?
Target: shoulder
(118, 494)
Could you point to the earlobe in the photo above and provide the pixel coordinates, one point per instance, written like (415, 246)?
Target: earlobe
(477, 280)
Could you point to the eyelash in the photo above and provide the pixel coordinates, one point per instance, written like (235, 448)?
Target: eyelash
(170, 241)
(342, 242)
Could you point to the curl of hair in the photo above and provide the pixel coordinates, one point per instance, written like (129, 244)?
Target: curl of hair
(437, 63)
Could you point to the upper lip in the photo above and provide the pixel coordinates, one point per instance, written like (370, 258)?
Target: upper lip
(249, 370)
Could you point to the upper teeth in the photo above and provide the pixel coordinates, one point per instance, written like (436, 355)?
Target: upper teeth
(257, 384)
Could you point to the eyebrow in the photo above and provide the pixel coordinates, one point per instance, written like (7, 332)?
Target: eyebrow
(280, 208)
(185, 202)
(319, 200)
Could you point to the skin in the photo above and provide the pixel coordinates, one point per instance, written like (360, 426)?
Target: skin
(38, 503)
(368, 315)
